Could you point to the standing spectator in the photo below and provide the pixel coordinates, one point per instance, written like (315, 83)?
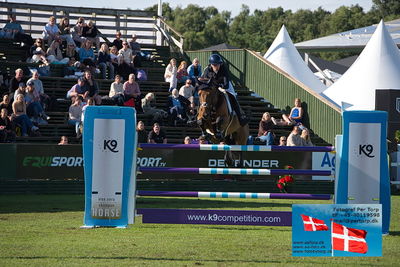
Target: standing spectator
(282, 141)
(63, 140)
(125, 57)
(265, 129)
(150, 110)
(39, 90)
(37, 53)
(305, 138)
(16, 81)
(187, 90)
(117, 41)
(77, 32)
(182, 74)
(50, 31)
(157, 135)
(117, 91)
(90, 86)
(86, 56)
(170, 74)
(294, 138)
(54, 54)
(194, 71)
(20, 117)
(296, 114)
(137, 52)
(90, 32)
(104, 61)
(13, 30)
(132, 90)
(6, 103)
(34, 108)
(75, 114)
(141, 132)
(65, 30)
(78, 90)
(7, 128)
(177, 106)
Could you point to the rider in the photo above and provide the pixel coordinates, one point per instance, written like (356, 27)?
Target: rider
(216, 76)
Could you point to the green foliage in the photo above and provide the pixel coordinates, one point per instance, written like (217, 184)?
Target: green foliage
(397, 136)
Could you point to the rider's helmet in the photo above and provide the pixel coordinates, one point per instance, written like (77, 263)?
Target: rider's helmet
(215, 59)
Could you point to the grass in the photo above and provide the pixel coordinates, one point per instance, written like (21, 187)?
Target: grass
(43, 230)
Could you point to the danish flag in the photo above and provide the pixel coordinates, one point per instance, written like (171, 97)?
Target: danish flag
(312, 224)
(348, 239)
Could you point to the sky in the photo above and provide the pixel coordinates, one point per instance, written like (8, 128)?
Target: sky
(234, 6)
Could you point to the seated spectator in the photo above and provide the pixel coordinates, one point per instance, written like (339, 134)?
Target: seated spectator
(194, 71)
(34, 108)
(132, 90)
(117, 91)
(266, 129)
(6, 103)
(13, 30)
(170, 74)
(182, 74)
(20, 91)
(39, 90)
(155, 114)
(65, 30)
(19, 116)
(90, 102)
(104, 62)
(296, 114)
(137, 52)
(63, 140)
(177, 106)
(78, 90)
(141, 132)
(187, 140)
(54, 54)
(71, 51)
(37, 54)
(114, 57)
(75, 114)
(90, 32)
(191, 115)
(16, 81)
(187, 90)
(125, 60)
(305, 138)
(282, 141)
(294, 138)
(90, 86)
(157, 135)
(86, 56)
(77, 32)
(117, 41)
(7, 128)
(50, 31)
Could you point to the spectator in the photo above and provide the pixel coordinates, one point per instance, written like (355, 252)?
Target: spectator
(117, 41)
(77, 32)
(90, 32)
(65, 30)
(170, 74)
(294, 138)
(132, 90)
(187, 140)
(7, 128)
(90, 86)
(63, 140)
(157, 135)
(182, 74)
(305, 138)
(34, 108)
(21, 90)
(75, 114)
(156, 115)
(16, 81)
(194, 71)
(137, 52)
(141, 132)
(282, 141)
(202, 140)
(71, 51)
(54, 54)
(265, 129)
(37, 53)
(125, 60)
(6, 103)
(117, 91)
(296, 114)
(78, 90)
(191, 115)
(50, 31)
(114, 57)
(20, 117)
(177, 106)
(13, 30)
(39, 90)
(187, 90)
(90, 102)
(86, 56)
(104, 61)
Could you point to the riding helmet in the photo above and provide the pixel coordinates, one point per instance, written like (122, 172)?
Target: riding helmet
(215, 59)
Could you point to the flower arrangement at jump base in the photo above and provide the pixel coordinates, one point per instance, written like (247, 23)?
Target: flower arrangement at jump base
(284, 180)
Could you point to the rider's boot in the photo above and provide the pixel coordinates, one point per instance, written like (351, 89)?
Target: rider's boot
(235, 105)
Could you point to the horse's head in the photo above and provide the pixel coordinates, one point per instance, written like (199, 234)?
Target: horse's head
(208, 101)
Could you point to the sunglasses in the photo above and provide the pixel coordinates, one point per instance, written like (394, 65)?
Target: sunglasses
(124, 44)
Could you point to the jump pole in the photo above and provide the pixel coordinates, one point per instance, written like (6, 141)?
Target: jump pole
(202, 194)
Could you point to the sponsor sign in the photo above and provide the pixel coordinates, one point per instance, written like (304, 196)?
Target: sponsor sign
(324, 161)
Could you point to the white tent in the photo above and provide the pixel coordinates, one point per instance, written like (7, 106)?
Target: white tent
(377, 67)
(283, 54)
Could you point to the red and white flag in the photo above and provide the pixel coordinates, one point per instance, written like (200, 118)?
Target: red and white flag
(348, 239)
(312, 224)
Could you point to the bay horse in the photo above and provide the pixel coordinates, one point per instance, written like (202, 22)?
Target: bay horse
(218, 124)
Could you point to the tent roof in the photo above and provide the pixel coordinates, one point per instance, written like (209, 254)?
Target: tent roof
(353, 39)
(283, 54)
(377, 67)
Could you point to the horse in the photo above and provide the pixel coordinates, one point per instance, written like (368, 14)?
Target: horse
(218, 124)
